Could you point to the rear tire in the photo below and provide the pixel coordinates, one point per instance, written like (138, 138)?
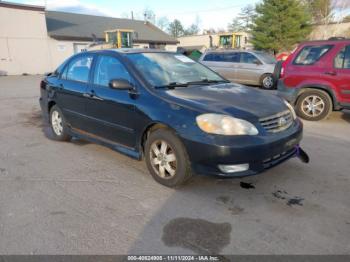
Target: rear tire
(167, 159)
(314, 105)
(267, 82)
(58, 125)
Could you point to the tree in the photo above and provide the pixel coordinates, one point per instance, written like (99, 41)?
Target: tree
(163, 22)
(149, 15)
(176, 29)
(321, 10)
(280, 24)
(236, 25)
(244, 20)
(192, 30)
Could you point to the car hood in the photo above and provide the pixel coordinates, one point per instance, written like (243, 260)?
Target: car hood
(233, 99)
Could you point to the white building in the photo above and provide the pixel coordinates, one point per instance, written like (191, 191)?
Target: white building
(35, 41)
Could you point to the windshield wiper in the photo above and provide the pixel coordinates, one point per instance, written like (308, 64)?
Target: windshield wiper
(172, 85)
(207, 81)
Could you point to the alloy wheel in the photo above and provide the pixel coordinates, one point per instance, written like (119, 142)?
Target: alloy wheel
(268, 82)
(56, 122)
(313, 106)
(163, 159)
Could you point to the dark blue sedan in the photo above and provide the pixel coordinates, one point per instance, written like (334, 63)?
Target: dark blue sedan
(177, 114)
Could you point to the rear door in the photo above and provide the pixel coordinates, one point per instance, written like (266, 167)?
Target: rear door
(341, 74)
(223, 63)
(72, 86)
(249, 69)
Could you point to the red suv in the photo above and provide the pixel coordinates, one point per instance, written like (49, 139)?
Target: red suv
(316, 78)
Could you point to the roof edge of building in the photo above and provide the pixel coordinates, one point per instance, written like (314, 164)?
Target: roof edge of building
(22, 6)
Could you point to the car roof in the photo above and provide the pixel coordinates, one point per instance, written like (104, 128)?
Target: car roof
(130, 50)
(331, 42)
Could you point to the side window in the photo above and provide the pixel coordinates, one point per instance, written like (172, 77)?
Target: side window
(232, 57)
(249, 58)
(108, 68)
(311, 54)
(342, 60)
(78, 69)
(213, 57)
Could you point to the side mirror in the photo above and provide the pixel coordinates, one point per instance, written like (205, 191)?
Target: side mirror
(120, 84)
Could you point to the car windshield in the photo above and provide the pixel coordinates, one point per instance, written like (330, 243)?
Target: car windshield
(268, 59)
(171, 69)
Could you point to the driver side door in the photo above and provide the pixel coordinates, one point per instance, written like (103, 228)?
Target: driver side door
(111, 112)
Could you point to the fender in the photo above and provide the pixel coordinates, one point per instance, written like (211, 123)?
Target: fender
(330, 91)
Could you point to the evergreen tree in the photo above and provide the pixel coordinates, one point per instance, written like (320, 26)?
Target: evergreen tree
(280, 24)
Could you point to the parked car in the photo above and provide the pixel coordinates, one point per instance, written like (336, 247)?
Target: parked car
(178, 115)
(316, 78)
(244, 67)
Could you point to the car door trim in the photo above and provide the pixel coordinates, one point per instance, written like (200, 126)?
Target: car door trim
(123, 128)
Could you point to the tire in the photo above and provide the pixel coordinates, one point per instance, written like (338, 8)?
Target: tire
(180, 168)
(58, 125)
(314, 105)
(267, 82)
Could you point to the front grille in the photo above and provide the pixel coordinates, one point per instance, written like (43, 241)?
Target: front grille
(278, 122)
(275, 160)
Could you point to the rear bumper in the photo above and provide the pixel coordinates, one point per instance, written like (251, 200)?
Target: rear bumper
(260, 153)
(289, 94)
(44, 109)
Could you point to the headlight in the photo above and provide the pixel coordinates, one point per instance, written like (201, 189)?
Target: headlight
(225, 125)
(291, 108)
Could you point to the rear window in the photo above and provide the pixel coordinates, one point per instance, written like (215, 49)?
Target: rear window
(311, 54)
(222, 57)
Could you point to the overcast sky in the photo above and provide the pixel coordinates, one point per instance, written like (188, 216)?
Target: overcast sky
(212, 14)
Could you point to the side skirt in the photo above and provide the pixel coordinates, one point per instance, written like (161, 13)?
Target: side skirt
(129, 151)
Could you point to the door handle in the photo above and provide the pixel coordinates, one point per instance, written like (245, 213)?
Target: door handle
(331, 73)
(92, 96)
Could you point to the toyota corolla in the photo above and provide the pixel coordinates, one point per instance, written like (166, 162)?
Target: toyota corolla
(178, 115)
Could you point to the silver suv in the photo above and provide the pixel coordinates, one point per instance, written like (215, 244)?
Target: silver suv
(245, 67)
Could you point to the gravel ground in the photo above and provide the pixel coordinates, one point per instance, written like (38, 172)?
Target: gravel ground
(81, 198)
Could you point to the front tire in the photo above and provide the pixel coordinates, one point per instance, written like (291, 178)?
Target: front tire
(58, 125)
(167, 159)
(314, 105)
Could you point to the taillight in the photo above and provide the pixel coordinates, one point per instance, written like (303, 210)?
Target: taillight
(282, 72)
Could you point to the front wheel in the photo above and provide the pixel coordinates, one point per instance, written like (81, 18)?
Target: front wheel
(167, 159)
(314, 105)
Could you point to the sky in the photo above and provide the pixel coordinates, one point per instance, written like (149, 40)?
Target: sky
(212, 14)
(207, 14)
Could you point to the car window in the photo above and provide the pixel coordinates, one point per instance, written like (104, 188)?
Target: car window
(311, 54)
(214, 57)
(232, 57)
(160, 69)
(223, 57)
(249, 58)
(342, 60)
(79, 69)
(267, 58)
(108, 68)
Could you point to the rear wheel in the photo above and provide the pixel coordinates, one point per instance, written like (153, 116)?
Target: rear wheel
(267, 81)
(58, 125)
(167, 159)
(314, 105)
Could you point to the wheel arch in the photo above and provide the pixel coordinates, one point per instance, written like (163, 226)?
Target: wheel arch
(329, 91)
(148, 129)
(50, 104)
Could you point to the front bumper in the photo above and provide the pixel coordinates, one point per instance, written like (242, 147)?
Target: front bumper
(289, 94)
(260, 152)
